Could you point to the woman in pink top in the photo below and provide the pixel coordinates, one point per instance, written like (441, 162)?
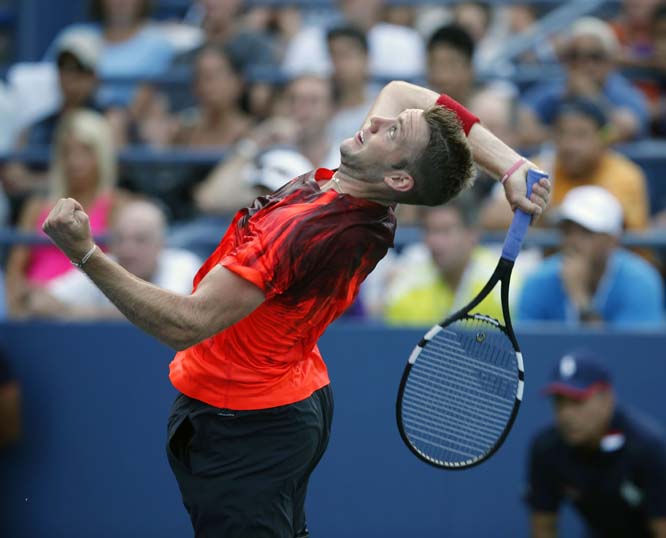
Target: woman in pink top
(83, 167)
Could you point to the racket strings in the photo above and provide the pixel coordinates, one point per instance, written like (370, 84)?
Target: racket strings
(460, 392)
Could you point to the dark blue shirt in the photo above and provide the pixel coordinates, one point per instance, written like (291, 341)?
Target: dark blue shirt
(545, 99)
(5, 373)
(617, 489)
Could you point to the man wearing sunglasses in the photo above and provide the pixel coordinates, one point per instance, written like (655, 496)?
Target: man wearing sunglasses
(589, 62)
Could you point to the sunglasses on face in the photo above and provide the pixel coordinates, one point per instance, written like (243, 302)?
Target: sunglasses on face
(585, 55)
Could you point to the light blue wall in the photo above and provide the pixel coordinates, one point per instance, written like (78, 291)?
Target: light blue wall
(96, 399)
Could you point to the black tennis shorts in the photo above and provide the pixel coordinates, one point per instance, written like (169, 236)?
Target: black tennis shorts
(244, 474)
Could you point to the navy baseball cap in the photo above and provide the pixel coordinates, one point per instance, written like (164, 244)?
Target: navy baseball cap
(578, 375)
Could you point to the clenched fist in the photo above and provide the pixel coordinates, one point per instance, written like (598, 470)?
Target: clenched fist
(68, 227)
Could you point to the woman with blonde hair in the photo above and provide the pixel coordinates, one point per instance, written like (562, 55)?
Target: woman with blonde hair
(84, 167)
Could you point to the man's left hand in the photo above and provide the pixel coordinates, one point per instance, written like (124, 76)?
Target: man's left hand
(68, 227)
(515, 189)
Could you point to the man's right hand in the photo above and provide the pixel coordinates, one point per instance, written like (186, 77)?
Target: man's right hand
(576, 273)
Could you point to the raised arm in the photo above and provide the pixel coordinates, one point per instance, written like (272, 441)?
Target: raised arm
(221, 299)
(488, 151)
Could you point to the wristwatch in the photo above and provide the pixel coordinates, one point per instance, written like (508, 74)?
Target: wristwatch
(588, 312)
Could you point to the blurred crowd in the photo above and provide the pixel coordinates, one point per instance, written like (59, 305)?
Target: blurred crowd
(162, 129)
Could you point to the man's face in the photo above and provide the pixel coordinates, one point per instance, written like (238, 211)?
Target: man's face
(350, 61)
(79, 163)
(449, 241)
(77, 83)
(309, 102)
(579, 144)
(122, 11)
(215, 83)
(386, 144)
(137, 239)
(583, 422)
(586, 55)
(450, 72)
(579, 241)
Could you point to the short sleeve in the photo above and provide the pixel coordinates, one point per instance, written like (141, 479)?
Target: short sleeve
(655, 480)
(543, 493)
(318, 246)
(5, 372)
(277, 248)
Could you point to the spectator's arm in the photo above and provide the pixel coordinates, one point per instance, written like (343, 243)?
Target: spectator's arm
(225, 189)
(658, 527)
(19, 256)
(10, 413)
(642, 304)
(40, 303)
(654, 473)
(543, 525)
(544, 494)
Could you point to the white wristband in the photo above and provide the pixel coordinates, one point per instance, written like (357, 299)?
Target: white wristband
(85, 258)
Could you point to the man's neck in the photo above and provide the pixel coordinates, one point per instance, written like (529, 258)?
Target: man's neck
(453, 276)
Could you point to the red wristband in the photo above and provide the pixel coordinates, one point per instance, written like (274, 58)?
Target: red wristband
(520, 162)
(465, 116)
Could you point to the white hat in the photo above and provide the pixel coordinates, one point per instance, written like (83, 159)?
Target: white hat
(278, 166)
(84, 46)
(593, 208)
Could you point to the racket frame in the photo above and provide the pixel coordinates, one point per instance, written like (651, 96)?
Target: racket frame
(502, 274)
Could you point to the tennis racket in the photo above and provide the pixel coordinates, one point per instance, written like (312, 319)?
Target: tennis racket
(463, 383)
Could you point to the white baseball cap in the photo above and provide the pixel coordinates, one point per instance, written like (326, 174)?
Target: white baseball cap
(593, 208)
(276, 167)
(84, 46)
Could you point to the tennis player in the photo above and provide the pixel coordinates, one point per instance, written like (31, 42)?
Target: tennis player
(254, 414)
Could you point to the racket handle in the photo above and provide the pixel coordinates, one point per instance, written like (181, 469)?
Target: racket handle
(520, 222)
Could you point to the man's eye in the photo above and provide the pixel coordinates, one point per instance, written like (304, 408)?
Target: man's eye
(392, 131)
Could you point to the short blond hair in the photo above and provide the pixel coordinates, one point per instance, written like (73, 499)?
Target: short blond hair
(91, 129)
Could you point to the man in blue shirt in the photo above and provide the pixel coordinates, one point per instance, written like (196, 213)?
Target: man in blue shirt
(610, 464)
(591, 280)
(589, 72)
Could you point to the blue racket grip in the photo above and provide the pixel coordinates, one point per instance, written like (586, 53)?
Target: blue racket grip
(520, 222)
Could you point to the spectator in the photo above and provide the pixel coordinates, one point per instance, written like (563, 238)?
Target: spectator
(593, 281)
(394, 51)
(654, 85)
(582, 157)
(590, 72)
(217, 120)
(223, 26)
(83, 167)
(633, 28)
(354, 94)
(77, 58)
(10, 405)
(241, 180)
(610, 463)
(301, 122)
(138, 234)
(132, 47)
(442, 274)
(450, 66)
